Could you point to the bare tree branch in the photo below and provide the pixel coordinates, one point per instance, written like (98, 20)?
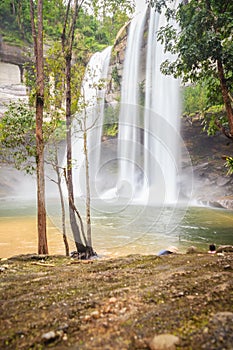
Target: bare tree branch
(223, 130)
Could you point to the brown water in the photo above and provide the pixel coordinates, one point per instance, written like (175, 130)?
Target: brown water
(19, 236)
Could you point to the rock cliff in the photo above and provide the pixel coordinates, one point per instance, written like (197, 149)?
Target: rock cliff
(212, 185)
(12, 60)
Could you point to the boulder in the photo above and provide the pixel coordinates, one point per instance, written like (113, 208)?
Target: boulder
(225, 248)
(164, 342)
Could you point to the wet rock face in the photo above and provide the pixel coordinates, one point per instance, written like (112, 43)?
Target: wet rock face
(115, 72)
(11, 88)
(117, 60)
(12, 59)
(212, 185)
(12, 54)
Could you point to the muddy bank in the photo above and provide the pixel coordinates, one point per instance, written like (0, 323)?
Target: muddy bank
(60, 303)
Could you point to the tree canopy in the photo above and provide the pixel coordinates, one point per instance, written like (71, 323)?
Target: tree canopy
(202, 43)
(96, 27)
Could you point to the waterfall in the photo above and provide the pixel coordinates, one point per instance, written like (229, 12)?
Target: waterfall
(93, 92)
(129, 119)
(148, 135)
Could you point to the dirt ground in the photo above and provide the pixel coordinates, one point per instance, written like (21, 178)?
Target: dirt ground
(62, 303)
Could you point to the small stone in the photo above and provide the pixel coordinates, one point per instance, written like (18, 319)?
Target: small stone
(63, 327)
(164, 342)
(112, 300)
(95, 314)
(123, 311)
(191, 250)
(6, 266)
(223, 317)
(49, 336)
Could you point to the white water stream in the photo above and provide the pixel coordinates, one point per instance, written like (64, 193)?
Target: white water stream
(91, 118)
(148, 136)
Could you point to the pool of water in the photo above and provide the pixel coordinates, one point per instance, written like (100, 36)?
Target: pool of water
(117, 229)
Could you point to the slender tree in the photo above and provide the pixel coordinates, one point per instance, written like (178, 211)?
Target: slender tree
(53, 161)
(88, 190)
(67, 47)
(38, 51)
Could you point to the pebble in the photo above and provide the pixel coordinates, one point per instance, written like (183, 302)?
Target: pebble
(223, 317)
(49, 336)
(95, 314)
(164, 342)
(63, 327)
(112, 300)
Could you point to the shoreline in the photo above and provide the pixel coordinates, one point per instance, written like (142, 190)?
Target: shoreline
(117, 303)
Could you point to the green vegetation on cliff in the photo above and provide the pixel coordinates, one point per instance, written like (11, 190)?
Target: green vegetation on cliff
(97, 25)
(202, 44)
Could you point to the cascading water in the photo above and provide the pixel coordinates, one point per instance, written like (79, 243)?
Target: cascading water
(91, 119)
(148, 135)
(129, 119)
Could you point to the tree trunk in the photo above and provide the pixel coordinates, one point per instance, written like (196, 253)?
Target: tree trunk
(74, 226)
(41, 211)
(38, 49)
(67, 45)
(59, 180)
(88, 191)
(226, 98)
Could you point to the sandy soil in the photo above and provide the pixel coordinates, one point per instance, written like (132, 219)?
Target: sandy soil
(60, 303)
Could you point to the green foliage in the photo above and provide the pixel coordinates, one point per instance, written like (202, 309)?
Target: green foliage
(17, 137)
(141, 87)
(115, 76)
(93, 31)
(15, 20)
(201, 41)
(196, 101)
(210, 116)
(203, 37)
(194, 98)
(229, 165)
(111, 130)
(111, 114)
(96, 31)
